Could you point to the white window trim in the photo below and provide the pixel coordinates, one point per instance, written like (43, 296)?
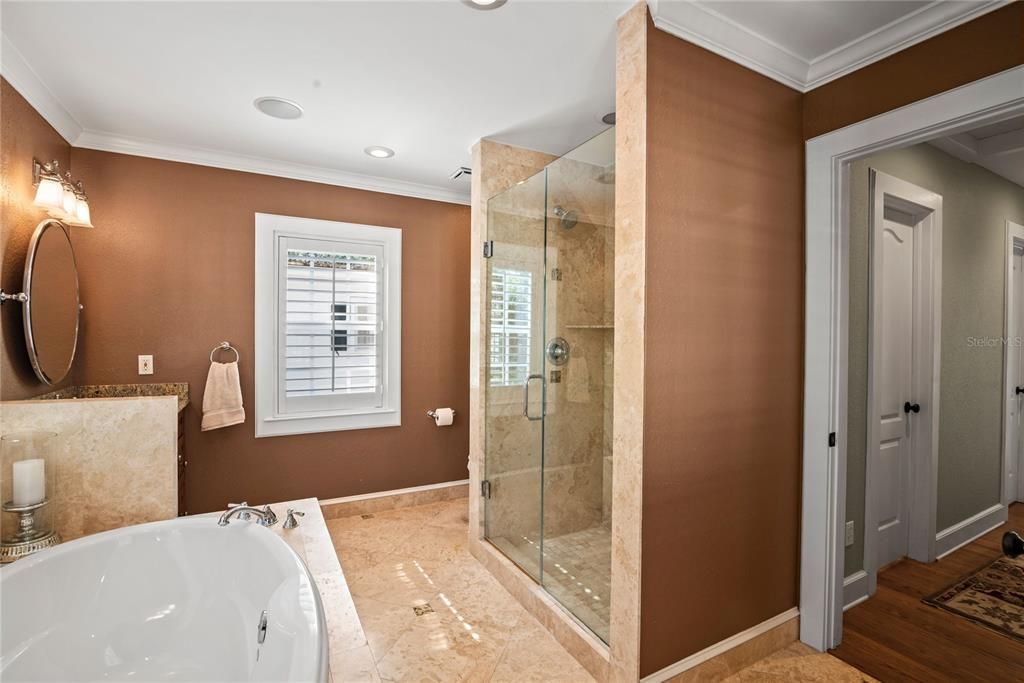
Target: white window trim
(269, 421)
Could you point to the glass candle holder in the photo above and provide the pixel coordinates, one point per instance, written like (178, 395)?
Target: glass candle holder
(27, 475)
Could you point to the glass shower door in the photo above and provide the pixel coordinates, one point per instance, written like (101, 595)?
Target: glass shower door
(578, 358)
(514, 391)
(548, 422)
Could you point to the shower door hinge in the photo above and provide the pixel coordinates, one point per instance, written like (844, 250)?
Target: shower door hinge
(831, 439)
(485, 489)
(488, 248)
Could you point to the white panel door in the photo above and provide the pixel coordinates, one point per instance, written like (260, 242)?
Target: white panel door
(892, 455)
(1015, 369)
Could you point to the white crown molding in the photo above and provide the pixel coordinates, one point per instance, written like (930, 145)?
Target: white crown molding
(702, 26)
(698, 24)
(925, 23)
(107, 142)
(23, 79)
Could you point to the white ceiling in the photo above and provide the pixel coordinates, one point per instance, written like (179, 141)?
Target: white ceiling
(428, 79)
(999, 147)
(176, 80)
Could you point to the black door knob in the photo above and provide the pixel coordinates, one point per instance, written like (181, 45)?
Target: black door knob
(1019, 391)
(909, 407)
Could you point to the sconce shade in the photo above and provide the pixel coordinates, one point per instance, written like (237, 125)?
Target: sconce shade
(82, 219)
(50, 195)
(70, 202)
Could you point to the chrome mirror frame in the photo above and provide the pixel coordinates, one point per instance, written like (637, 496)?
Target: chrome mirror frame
(30, 343)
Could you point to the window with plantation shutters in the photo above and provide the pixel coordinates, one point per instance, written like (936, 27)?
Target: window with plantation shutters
(328, 325)
(511, 318)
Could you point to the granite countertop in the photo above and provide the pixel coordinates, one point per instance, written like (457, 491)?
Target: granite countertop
(179, 389)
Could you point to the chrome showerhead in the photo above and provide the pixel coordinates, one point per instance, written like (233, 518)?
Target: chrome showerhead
(566, 217)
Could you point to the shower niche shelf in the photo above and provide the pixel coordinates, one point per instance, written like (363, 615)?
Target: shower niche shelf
(598, 326)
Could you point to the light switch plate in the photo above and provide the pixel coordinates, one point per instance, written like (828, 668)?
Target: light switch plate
(849, 533)
(145, 365)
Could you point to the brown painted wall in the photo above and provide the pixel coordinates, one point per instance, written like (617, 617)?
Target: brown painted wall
(24, 134)
(169, 271)
(722, 407)
(989, 44)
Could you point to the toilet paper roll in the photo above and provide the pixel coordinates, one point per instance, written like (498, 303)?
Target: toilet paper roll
(443, 416)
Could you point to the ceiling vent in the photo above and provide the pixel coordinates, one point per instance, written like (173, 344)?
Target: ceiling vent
(461, 171)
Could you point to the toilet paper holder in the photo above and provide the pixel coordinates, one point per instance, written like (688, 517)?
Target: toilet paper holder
(433, 414)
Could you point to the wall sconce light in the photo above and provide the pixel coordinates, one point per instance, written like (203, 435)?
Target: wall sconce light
(61, 197)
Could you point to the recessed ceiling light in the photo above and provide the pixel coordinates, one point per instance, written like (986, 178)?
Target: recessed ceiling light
(378, 152)
(485, 4)
(609, 118)
(278, 107)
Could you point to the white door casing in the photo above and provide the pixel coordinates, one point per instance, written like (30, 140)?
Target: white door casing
(826, 318)
(903, 373)
(1013, 364)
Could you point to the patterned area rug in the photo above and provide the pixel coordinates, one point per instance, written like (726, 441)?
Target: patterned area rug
(992, 596)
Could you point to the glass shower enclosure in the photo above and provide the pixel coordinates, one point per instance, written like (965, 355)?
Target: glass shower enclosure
(548, 420)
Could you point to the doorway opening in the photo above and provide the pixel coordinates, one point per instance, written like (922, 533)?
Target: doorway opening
(823, 585)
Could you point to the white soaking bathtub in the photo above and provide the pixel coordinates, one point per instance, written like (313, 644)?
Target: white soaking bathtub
(179, 600)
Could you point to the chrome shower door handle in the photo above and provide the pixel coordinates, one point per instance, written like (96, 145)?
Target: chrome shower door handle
(526, 398)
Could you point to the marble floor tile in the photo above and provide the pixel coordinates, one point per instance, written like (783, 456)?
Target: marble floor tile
(798, 662)
(430, 611)
(533, 654)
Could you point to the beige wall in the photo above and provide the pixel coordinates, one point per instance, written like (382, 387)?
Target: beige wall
(976, 205)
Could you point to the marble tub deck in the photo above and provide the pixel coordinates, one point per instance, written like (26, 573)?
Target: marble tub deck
(431, 612)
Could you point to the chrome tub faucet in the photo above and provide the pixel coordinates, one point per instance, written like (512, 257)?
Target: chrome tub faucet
(264, 517)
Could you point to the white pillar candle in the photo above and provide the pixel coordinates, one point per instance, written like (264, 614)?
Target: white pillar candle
(29, 482)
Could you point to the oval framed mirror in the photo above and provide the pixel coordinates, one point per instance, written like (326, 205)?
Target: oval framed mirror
(52, 309)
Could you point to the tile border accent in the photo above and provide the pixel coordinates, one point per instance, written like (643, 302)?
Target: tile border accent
(783, 626)
(365, 503)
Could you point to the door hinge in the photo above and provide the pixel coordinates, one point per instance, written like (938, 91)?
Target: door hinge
(831, 439)
(488, 248)
(485, 489)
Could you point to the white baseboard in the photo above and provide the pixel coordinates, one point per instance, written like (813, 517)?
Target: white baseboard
(720, 647)
(393, 492)
(959, 535)
(855, 589)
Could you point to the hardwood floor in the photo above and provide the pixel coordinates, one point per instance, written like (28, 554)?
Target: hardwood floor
(893, 636)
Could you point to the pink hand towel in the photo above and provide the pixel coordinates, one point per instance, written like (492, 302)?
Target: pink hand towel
(222, 398)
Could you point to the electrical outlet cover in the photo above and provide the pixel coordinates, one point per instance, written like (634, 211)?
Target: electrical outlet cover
(849, 533)
(145, 365)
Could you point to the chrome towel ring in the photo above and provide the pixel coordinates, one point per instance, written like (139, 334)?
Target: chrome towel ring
(224, 346)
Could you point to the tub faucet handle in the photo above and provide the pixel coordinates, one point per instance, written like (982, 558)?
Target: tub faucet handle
(290, 522)
(269, 517)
